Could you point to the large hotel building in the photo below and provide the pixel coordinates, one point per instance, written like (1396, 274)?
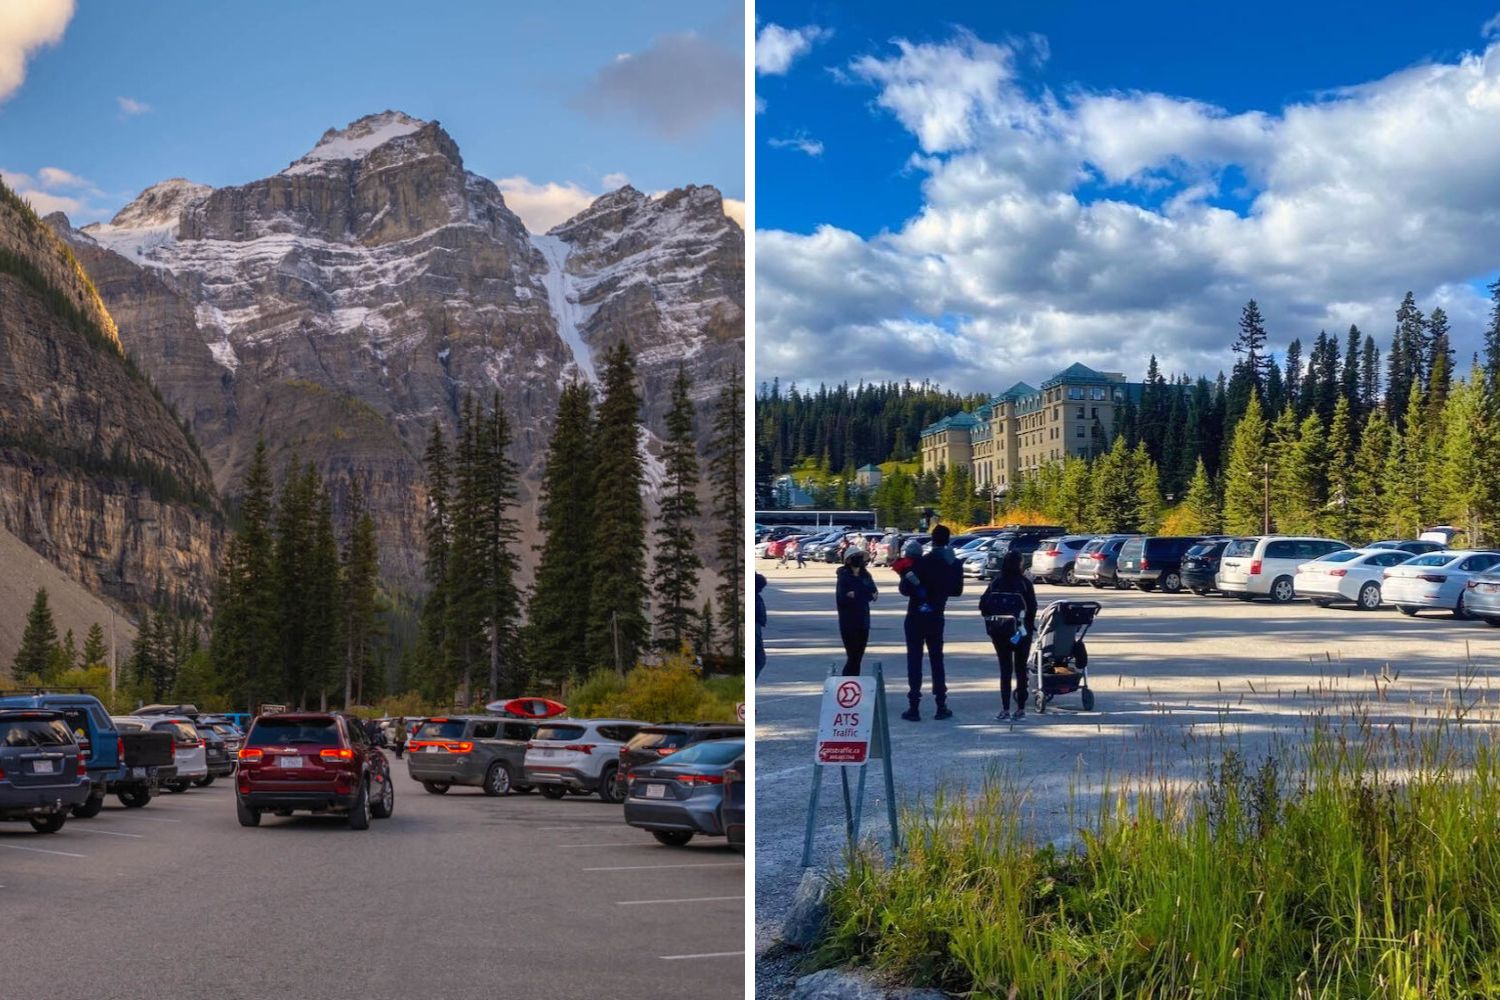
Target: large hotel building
(1022, 429)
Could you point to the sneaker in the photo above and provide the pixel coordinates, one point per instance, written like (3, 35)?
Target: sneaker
(912, 715)
(1020, 713)
(942, 713)
(1004, 716)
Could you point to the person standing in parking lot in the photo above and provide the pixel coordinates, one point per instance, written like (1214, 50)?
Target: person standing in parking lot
(760, 624)
(801, 556)
(939, 576)
(854, 591)
(1013, 647)
(399, 737)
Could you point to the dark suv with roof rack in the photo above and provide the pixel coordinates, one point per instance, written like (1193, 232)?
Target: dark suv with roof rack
(479, 750)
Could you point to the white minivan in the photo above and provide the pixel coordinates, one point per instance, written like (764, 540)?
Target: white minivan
(1266, 565)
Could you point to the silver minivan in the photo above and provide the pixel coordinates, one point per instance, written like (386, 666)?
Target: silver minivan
(1266, 565)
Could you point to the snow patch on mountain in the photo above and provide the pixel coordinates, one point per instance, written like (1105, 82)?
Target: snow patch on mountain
(357, 141)
(562, 296)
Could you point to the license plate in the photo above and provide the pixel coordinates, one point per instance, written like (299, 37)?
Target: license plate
(429, 749)
(546, 753)
(137, 772)
(288, 761)
(656, 791)
(44, 767)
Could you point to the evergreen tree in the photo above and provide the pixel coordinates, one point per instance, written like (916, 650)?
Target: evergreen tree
(1300, 487)
(359, 573)
(677, 562)
(1114, 500)
(246, 647)
(1244, 473)
(498, 536)
(1492, 341)
(895, 501)
(558, 611)
(726, 477)
(64, 658)
(1349, 375)
(464, 626)
(1075, 493)
(1201, 504)
(1339, 519)
(1368, 477)
(1461, 471)
(1251, 345)
(1369, 377)
(1404, 365)
(1147, 490)
(324, 614)
(95, 650)
(1408, 499)
(617, 600)
(1439, 363)
(436, 530)
(38, 639)
(702, 633)
(1294, 391)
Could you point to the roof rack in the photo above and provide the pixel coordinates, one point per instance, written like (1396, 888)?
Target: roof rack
(44, 690)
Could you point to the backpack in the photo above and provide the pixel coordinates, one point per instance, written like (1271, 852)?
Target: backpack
(1002, 611)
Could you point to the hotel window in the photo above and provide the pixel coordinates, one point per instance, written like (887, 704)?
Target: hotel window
(1080, 413)
(1094, 412)
(1075, 392)
(1098, 394)
(1079, 432)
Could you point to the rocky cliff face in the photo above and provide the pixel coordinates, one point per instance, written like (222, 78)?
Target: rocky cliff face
(96, 474)
(343, 305)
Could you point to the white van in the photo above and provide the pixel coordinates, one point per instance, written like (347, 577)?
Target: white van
(1266, 565)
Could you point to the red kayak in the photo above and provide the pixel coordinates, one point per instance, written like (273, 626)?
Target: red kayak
(528, 708)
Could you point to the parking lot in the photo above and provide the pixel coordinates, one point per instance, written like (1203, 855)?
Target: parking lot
(1176, 678)
(455, 895)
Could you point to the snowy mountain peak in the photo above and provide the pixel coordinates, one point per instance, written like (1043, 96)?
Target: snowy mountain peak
(357, 139)
(161, 204)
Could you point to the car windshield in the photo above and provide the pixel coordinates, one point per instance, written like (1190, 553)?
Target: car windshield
(658, 741)
(284, 732)
(559, 732)
(1431, 559)
(710, 752)
(1241, 547)
(35, 732)
(441, 729)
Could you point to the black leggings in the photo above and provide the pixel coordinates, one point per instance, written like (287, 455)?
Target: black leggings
(855, 638)
(1012, 665)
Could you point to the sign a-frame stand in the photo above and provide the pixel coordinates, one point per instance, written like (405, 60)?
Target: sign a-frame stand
(845, 744)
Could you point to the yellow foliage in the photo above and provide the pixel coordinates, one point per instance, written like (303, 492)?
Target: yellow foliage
(672, 691)
(1179, 520)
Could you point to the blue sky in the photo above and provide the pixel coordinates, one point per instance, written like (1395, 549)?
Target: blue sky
(224, 96)
(988, 191)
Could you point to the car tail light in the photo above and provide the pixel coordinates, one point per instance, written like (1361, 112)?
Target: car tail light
(174, 748)
(83, 766)
(699, 779)
(1145, 563)
(2, 774)
(252, 753)
(463, 746)
(665, 751)
(580, 747)
(1338, 572)
(119, 749)
(1255, 567)
(1431, 577)
(1048, 552)
(336, 753)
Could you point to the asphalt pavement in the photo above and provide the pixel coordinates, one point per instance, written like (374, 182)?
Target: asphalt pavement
(455, 895)
(1178, 678)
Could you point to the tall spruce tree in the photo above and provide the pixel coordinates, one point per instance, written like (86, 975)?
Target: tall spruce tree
(1201, 504)
(1460, 479)
(1439, 362)
(1147, 490)
(1339, 518)
(676, 557)
(95, 649)
(1250, 345)
(1294, 377)
(1369, 482)
(726, 476)
(557, 613)
(1300, 483)
(1408, 498)
(466, 646)
(436, 530)
(498, 537)
(1369, 377)
(246, 647)
(1492, 341)
(359, 572)
(1244, 473)
(38, 639)
(617, 600)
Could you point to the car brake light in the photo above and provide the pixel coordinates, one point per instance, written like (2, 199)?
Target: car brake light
(700, 779)
(1338, 572)
(336, 753)
(174, 748)
(1145, 563)
(1255, 567)
(1431, 577)
(461, 747)
(252, 753)
(83, 766)
(2, 774)
(119, 749)
(580, 747)
(665, 751)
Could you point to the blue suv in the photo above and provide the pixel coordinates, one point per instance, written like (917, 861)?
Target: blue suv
(102, 748)
(42, 769)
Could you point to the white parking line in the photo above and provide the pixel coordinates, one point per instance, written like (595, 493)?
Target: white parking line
(106, 833)
(696, 899)
(155, 819)
(612, 843)
(43, 850)
(707, 954)
(641, 868)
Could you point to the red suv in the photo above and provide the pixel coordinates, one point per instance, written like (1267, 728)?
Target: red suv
(321, 762)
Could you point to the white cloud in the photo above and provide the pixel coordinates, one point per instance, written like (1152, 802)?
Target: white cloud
(1491, 27)
(800, 142)
(55, 177)
(1103, 227)
(25, 26)
(734, 208)
(36, 191)
(776, 48)
(542, 206)
(130, 107)
(615, 181)
(676, 85)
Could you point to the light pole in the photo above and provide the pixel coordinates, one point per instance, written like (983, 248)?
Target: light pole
(1266, 493)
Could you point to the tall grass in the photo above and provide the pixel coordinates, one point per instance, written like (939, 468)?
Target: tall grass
(1361, 863)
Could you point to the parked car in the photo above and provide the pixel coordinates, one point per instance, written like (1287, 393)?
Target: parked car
(1149, 561)
(732, 811)
(1056, 559)
(975, 556)
(653, 743)
(1025, 544)
(1266, 565)
(1436, 580)
(1348, 575)
(1482, 596)
(482, 751)
(682, 796)
(43, 773)
(1098, 562)
(110, 767)
(217, 755)
(318, 762)
(578, 755)
(1200, 565)
(1416, 547)
(190, 754)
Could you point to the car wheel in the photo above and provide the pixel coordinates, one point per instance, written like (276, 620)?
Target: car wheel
(672, 838)
(359, 812)
(497, 779)
(608, 787)
(1492, 621)
(1282, 590)
(1201, 591)
(554, 791)
(1459, 611)
(1171, 583)
(1096, 585)
(49, 824)
(133, 798)
(247, 816)
(437, 787)
(1142, 585)
(1321, 602)
(203, 782)
(90, 808)
(1407, 610)
(522, 789)
(385, 804)
(1369, 597)
(1245, 597)
(1069, 577)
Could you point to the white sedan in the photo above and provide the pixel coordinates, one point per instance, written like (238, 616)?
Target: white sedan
(1348, 575)
(1435, 580)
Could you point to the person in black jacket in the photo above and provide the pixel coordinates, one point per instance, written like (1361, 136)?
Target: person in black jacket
(760, 624)
(939, 576)
(855, 591)
(1012, 652)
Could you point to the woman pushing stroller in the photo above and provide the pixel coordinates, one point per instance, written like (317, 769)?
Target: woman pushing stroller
(1009, 607)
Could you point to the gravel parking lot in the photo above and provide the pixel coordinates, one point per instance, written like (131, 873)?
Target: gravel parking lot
(456, 895)
(1175, 676)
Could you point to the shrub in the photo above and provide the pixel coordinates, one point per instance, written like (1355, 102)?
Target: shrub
(674, 690)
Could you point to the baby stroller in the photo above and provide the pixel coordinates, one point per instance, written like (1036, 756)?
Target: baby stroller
(1058, 660)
